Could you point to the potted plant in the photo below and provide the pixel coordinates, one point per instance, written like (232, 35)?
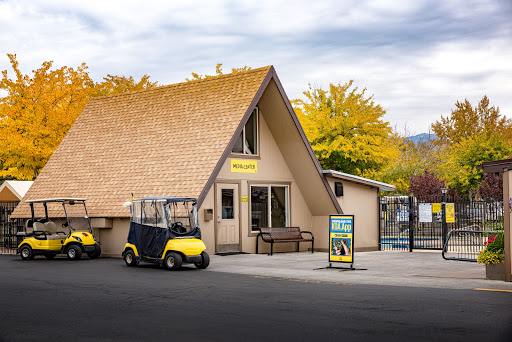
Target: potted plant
(492, 256)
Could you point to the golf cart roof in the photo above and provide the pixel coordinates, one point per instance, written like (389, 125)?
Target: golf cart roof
(60, 200)
(168, 199)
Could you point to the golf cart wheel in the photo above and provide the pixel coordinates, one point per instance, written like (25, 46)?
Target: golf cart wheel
(50, 256)
(205, 261)
(74, 252)
(173, 261)
(96, 254)
(130, 259)
(26, 252)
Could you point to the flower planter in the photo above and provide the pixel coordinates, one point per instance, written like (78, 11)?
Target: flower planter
(495, 272)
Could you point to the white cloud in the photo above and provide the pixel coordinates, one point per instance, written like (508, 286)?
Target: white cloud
(416, 57)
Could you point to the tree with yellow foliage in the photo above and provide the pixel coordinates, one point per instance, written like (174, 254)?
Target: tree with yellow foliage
(465, 122)
(112, 85)
(218, 72)
(38, 111)
(346, 130)
(472, 135)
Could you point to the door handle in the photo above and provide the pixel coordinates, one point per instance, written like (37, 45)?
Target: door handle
(218, 221)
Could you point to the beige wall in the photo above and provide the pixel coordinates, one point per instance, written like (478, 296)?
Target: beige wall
(6, 195)
(208, 227)
(321, 230)
(362, 202)
(113, 239)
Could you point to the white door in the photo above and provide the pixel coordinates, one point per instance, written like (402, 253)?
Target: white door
(228, 222)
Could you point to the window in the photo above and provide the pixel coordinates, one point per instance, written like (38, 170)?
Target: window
(269, 206)
(149, 213)
(247, 142)
(228, 212)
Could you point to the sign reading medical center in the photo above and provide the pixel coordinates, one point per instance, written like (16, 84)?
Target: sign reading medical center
(341, 238)
(244, 166)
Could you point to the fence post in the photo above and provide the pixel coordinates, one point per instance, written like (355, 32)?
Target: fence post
(443, 213)
(379, 206)
(411, 223)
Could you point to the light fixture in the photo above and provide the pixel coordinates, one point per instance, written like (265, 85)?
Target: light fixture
(444, 190)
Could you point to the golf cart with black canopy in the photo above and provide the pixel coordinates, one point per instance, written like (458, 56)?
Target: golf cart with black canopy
(43, 237)
(165, 230)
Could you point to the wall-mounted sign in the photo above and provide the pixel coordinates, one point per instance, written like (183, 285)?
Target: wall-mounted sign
(341, 238)
(436, 208)
(244, 166)
(450, 213)
(425, 210)
(245, 198)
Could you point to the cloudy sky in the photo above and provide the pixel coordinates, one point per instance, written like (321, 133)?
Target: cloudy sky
(417, 57)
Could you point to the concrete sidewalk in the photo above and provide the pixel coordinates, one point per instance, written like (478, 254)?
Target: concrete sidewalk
(418, 269)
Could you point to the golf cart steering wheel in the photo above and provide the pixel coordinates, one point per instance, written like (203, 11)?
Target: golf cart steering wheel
(178, 228)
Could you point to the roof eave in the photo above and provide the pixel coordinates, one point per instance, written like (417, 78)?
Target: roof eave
(360, 180)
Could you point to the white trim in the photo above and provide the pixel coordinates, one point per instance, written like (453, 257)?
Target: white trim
(382, 186)
(55, 200)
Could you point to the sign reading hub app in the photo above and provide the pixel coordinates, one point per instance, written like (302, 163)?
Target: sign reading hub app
(341, 238)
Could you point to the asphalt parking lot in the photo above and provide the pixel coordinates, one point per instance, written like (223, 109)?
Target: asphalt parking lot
(103, 300)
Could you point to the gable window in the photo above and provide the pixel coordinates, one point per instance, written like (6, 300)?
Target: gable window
(247, 142)
(269, 206)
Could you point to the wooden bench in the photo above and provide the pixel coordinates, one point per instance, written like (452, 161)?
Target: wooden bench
(283, 234)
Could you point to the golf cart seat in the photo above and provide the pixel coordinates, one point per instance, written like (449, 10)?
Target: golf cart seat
(50, 229)
(56, 237)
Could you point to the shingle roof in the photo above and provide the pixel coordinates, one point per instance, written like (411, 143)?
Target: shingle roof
(164, 141)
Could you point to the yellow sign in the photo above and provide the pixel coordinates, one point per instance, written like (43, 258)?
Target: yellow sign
(436, 208)
(245, 198)
(244, 166)
(341, 238)
(450, 213)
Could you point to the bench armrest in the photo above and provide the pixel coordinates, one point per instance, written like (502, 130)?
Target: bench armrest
(261, 234)
(307, 232)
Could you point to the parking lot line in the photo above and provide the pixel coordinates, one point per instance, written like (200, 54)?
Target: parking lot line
(495, 290)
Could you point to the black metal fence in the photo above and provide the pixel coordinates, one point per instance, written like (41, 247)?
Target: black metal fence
(407, 223)
(9, 228)
(395, 223)
(464, 245)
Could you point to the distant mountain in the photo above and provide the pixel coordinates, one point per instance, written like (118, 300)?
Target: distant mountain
(422, 137)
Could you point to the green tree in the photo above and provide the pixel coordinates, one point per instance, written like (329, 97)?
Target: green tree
(345, 129)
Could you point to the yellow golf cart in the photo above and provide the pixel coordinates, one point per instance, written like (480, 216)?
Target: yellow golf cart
(165, 230)
(42, 236)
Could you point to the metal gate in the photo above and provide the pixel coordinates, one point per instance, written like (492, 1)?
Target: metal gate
(9, 228)
(402, 229)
